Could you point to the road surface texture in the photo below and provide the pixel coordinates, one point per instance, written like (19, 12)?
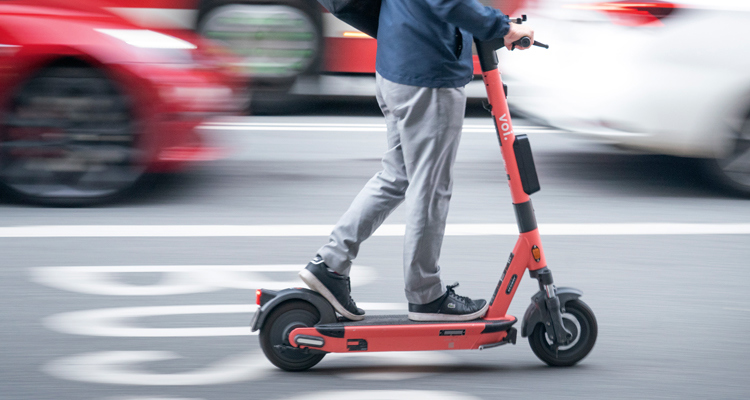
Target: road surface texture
(150, 297)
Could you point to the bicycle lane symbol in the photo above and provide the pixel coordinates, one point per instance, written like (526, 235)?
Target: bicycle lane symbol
(131, 367)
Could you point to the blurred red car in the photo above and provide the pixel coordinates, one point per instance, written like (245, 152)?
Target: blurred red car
(91, 102)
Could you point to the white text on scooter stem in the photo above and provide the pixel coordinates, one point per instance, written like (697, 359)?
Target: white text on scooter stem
(504, 126)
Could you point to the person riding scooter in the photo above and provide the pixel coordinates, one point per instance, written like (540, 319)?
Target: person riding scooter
(424, 60)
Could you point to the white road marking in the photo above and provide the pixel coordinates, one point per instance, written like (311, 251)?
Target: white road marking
(296, 125)
(120, 322)
(389, 366)
(177, 279)
(116, 322)
(385, 395)
(292, 124)
(594, 229)
(354, 128)
(150, 398)
(121, 368)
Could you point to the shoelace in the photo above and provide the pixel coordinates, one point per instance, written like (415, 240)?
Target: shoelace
(346, 278)
(349, 285)
(458, 297)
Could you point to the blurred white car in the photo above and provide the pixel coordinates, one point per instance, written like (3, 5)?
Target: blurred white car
(663, 77)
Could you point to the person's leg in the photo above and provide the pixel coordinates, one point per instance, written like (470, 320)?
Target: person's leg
(430, 122)
(377, 199)
(328, 272)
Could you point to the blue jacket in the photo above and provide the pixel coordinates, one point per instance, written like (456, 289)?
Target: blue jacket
(427, 43)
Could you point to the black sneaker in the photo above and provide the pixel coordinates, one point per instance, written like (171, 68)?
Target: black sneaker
(449, 307)
(334, 287)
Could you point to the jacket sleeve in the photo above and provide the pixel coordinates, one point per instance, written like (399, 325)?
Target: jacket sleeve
(482, 22)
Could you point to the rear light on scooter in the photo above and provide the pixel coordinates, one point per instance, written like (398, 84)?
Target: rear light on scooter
(632, 13)
(263, 296)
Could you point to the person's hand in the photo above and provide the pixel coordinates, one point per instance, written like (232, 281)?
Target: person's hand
(516, 32)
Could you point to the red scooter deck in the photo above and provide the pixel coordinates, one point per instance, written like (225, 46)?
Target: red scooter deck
(398, 333)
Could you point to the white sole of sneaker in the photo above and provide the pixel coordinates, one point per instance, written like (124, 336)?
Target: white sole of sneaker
(437, 317)
(313, 283)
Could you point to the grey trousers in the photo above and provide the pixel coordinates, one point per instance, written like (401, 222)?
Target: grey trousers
(424, 129)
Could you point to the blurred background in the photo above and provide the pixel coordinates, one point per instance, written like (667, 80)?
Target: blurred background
(161, 159)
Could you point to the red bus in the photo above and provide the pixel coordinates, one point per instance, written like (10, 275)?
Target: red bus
(286, 47)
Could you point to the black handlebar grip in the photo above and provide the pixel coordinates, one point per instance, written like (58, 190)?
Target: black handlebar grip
(523, 42)
(526, 42)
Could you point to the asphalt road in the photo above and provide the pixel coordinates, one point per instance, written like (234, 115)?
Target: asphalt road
(150, 297)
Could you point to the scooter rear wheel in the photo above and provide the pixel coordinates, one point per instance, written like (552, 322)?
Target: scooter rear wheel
(578, 319)
(274, 335)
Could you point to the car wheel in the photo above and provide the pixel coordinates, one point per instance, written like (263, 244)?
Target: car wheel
(68, 137)
(733, 171)
(276, 44)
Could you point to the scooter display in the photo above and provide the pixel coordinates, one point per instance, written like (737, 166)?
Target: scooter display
(298, 327)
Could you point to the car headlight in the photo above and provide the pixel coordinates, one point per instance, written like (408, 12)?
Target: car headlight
(146, 39)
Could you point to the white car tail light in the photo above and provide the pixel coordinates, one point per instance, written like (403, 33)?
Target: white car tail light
(632, 13)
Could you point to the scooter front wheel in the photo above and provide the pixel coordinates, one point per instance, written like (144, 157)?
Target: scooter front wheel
(274, 336)
(579, 320)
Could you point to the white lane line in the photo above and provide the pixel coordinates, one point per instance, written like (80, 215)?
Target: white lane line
(385, 394)
(390, 366)
(312, 124)
(60, 231)
(286, 128)
(146, 397)
(121, 322)
(737, 309)
(150, 398)
(178, 279)
(358, 130)
(131, 368)
(316, 127)
(291, 124)
(118, 322)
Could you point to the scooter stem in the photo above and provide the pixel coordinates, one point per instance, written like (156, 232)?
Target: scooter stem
(523, 181)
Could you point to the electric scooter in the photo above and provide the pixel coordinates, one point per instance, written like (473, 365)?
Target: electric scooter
(298, 327)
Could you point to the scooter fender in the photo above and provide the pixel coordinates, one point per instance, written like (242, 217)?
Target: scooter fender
(537, 312)
(327, 313)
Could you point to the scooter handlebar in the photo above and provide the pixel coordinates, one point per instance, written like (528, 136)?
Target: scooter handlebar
(486, 50)
(526, 42)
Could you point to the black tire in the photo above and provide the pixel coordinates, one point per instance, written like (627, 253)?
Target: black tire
(271, 65)
(733, 171)
(68, 137)
(275, 331)
(579, 319)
